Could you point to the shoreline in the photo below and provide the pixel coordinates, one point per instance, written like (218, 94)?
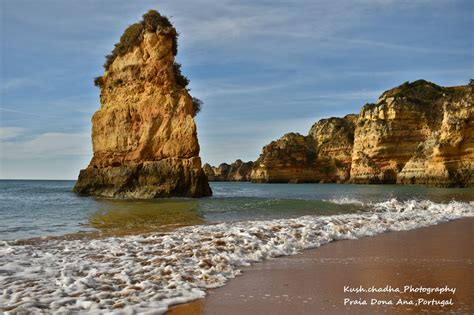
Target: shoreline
(437, 256)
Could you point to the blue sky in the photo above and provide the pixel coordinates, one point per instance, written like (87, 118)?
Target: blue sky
(263, 68)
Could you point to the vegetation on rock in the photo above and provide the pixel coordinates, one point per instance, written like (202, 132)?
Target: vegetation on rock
(197, 104)
(181, 80)
(152, 22)
(99, 82)
(420, 91)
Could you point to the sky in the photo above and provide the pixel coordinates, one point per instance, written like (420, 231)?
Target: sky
(262, 68)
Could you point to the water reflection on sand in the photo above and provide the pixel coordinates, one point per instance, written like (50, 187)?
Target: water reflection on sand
(121, 217)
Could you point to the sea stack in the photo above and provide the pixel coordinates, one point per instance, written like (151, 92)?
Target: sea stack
(144, 137)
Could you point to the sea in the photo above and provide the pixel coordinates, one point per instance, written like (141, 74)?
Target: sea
(60, 252)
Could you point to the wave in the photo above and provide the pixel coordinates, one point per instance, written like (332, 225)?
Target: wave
(151, 272)
(344, 201)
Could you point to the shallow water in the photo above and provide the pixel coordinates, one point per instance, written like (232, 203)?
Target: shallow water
(242, 224)
(148, 273)
(44, 208)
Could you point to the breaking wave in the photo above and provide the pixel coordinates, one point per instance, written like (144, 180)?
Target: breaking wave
(151, 272)
(345, 201)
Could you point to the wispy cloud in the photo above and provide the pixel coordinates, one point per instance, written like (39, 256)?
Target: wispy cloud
(47, 145)
(220, 89)
(7, 133)
(21, 83)
(9, 110)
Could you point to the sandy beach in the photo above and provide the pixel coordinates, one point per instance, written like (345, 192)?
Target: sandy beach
(318, 281)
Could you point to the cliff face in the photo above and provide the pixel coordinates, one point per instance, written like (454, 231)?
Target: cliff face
(236, 172)
(324, 155)
(289, 159)
(144, 137)
(417, 133)
(333, 139)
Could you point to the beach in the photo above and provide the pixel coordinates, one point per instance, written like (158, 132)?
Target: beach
(428, 263)
(63, 253)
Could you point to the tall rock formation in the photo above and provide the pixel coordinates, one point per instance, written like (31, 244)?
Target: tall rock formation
(324, 155)
(144, 137)
(417, 133)
(235, 172)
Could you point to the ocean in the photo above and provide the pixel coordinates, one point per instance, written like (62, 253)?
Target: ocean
(38, 208)
(62, 252)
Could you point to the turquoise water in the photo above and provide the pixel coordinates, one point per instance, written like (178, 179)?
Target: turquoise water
(83, 270)
(31, 209)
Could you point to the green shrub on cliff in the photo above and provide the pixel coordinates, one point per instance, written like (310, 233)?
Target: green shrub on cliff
(421, 92)
(99, 81)
(197, 104)
(152, 21)
(181, 80)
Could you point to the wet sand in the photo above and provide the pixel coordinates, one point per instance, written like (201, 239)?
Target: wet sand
(313, 282)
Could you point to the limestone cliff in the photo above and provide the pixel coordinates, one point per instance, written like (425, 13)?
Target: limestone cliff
(144, 136)
(235, 172)
(416, 133)
(324, 155)
(333, 139)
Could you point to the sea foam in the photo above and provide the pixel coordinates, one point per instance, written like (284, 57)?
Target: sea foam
(148, 273)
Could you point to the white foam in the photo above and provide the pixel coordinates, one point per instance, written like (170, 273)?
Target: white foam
(149, 273)
(344, 201)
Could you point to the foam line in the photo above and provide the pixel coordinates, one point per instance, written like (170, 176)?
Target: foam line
(150, 272)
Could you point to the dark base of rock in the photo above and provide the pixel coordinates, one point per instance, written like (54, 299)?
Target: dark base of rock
(463, 182)
(171, 177)
(285, 181)
(429, 181)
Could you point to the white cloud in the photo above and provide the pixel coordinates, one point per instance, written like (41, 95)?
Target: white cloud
(10, 132)
(239, 89)
(46, 145)
(21, 83)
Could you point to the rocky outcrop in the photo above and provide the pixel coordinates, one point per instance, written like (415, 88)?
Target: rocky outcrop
(144, 137)
(236, 172)
(333, 139)
(324, 155)
(417, 133)
(289, 159)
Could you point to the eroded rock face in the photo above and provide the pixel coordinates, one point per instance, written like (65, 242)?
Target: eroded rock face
(288, 159)
(144, 137)
(417, 133)
(333, 139)
(236, 172)
(324, 155)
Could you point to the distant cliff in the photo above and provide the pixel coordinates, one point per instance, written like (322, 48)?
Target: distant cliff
(324, 155)
(236, 172)
(417, 133)
(144, 136)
